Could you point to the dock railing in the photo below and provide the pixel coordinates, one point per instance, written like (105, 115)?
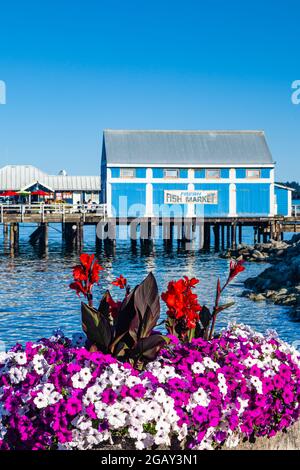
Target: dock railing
(296, 210)
(45, 211)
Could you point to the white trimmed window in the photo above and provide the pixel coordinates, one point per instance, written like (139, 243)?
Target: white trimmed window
(213, 173)
(127, 172)
(171, 173)
(253, 174)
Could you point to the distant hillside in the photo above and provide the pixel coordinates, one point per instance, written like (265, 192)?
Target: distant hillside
(296, 186)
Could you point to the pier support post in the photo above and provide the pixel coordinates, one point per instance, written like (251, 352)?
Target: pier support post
(63, 231)
(217, 236)
(5, 231)
(44, 235)
(110, 236)
(14, 236)
(99, 238)
(259, 234)
(70, 234)
(228, 236)
(168, 233)
(233, 236)
(223, 237)
(79, 234)
(240, 234)
(146, 234)
(133, 236)
(206, 245)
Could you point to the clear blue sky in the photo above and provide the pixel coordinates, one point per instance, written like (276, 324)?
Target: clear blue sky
(75, 67)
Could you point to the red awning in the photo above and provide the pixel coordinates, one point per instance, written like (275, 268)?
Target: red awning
(9, 194)
(39, 192)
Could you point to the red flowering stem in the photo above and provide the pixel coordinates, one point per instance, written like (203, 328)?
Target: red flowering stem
(215, 311)
(90, 299)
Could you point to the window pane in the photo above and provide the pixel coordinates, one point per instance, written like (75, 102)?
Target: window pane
(213, 173)
(171, 173)
(127, 173)
(253, 173)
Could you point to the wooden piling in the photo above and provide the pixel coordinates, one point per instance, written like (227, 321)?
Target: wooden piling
(233, 236)
(216, 229)
(240, 234)
(228, 235)
(223, 236)
(14, 236)
(44, 235)
(206, 245)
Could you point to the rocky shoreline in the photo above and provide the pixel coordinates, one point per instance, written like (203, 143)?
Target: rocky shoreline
(279, 283)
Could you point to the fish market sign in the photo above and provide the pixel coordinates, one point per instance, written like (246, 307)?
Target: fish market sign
(191, 197)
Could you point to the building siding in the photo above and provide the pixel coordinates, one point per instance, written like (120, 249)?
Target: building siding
(128, 199)
(253, 199)
(214, 210)
(282, 201)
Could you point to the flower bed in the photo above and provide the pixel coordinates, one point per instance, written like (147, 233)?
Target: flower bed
(56, 394)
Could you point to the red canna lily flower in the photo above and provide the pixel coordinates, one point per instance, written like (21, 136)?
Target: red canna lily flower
(78, 287)
(236, 267)
(85, 275)
(121, 282)
(182, 303)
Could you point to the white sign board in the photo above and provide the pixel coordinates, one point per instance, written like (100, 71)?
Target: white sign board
(190, 197)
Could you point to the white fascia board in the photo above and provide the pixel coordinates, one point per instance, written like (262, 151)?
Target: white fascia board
(193, 166)
(284, 187)
(191, 180)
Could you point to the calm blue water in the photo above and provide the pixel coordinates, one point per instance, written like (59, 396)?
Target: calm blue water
(36, 299)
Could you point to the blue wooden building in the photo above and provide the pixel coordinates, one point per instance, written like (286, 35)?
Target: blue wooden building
(190, 173)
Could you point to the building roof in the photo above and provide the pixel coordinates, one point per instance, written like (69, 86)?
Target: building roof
(284, 186)
(18, 177)
(146, 147)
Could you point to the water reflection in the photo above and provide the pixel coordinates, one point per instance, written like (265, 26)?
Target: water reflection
(35, 298)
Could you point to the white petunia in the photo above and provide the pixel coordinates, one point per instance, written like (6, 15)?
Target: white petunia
(210, 364)
(17, 375)
(160, 395)
(257, 383)
(41, 401)
(82, 423)
(21, 358)
(132, 380)
(82, 378)
(48, 388)
(200, 397)
(54, 397)
(198, 368)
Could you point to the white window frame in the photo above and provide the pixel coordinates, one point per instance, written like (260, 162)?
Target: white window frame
(126, 176)
(212, 177)
(248, 170)
(166, 170)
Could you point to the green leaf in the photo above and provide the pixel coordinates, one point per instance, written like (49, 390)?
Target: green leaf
(148, 348)
(224, 307)
(205, 316)
(96, 327)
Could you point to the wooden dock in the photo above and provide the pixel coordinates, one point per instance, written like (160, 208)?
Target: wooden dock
(226, 231)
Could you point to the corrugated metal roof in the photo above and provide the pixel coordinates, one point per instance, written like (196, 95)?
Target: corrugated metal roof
(18, 177)
(186, 147)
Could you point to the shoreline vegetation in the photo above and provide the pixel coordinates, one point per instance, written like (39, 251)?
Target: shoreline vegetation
(279, 283)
